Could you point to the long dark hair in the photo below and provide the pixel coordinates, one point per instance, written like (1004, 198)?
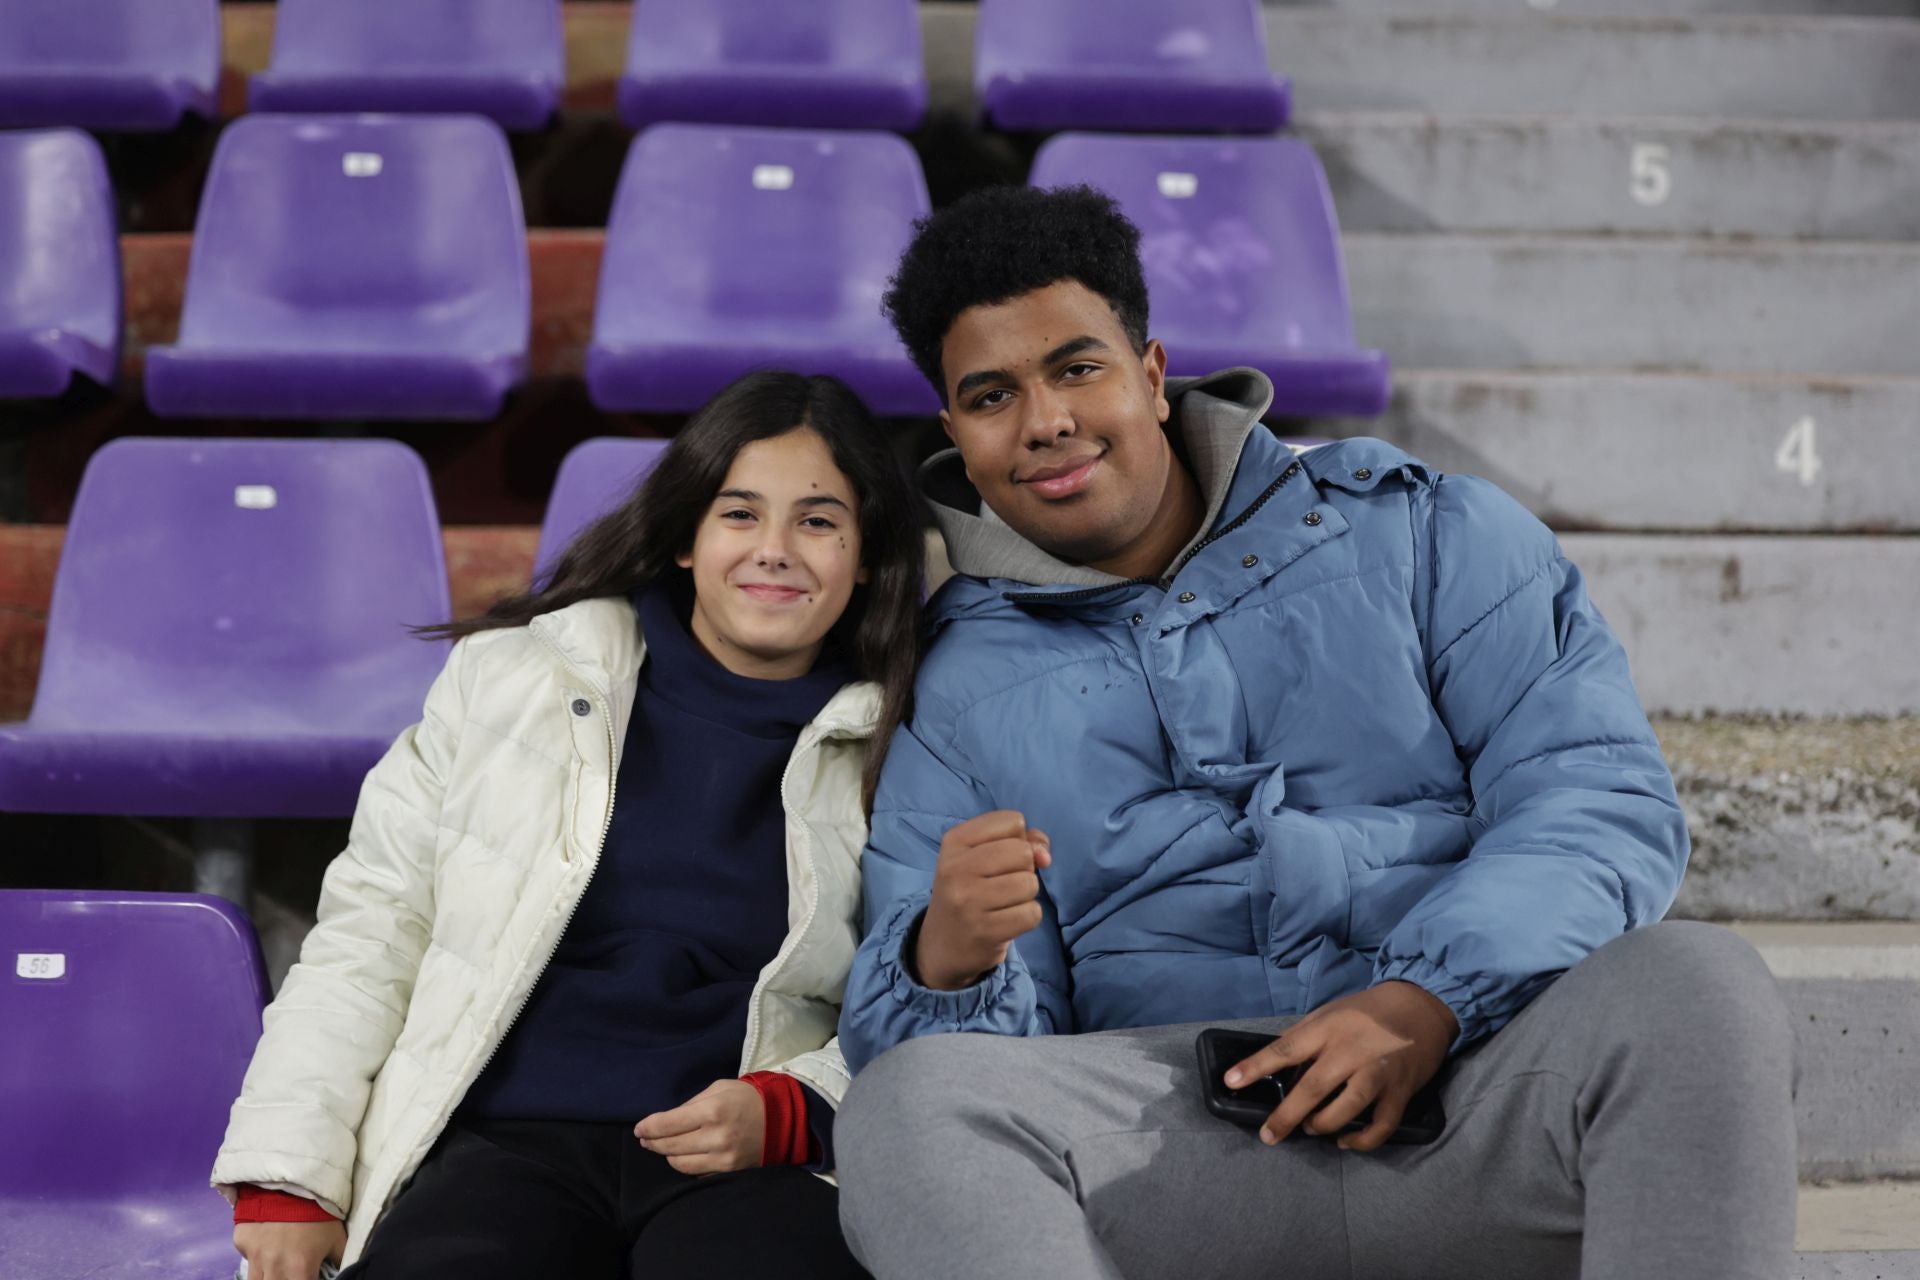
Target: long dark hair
(636, 544)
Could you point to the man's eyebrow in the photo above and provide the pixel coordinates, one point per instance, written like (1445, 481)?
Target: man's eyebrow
(979, 379)
(1071, 347)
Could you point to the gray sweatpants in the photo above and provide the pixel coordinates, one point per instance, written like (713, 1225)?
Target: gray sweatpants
(1635, 1122)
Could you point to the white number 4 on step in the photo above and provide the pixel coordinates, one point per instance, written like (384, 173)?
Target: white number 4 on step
(1797, 455)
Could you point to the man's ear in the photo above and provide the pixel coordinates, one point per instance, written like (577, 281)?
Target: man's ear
(1154, 359)
(946, 425)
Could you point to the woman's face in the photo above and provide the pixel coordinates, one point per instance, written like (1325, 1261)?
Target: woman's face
(775, 558)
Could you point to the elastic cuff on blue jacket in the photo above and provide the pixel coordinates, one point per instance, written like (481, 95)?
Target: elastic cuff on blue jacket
(1451, 991)
(955, 1008)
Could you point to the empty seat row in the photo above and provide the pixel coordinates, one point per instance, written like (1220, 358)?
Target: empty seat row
(377, 267)
(1040, 64)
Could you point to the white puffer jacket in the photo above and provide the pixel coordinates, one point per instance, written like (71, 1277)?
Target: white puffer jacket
(473, 841)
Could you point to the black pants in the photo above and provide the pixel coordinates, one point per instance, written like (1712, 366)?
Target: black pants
(537, 1199)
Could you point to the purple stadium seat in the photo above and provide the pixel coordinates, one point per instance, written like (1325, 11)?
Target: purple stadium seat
(499, 58)
(107, 64)
(352, 267)
(735, 249)
(227, 632)
(59, 264)
(823, 64)
(1127, 64)
(595, 477)
(129, 1021)
(1242, 254)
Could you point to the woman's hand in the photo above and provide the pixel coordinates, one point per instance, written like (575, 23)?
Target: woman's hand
(722, 1128)
(1375, 1047)
(289, 1250)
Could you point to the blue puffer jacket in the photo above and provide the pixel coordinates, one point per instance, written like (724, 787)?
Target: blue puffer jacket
(1372, 728)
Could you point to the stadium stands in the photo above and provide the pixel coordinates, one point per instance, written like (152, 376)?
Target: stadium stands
(352, 267)
(108, 64)
(227, 637)
(1242, 254)
(596, 476)
(1599, 247)
(129, 1021)
(1127, 64)
(499, 58)
(59, 264)
(731, 249)
(825, 64)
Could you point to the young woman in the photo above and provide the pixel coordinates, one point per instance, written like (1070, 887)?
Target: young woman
(569, 1005)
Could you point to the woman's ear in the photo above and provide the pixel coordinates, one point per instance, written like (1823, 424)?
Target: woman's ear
(862, 576)
(684, 559)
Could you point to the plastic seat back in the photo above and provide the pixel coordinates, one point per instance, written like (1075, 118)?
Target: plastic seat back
(362, 233)
(59, 263)
(504, 59)
(595, 477)
(130, 1019)
(825, 64)
(1241, 249)
(732, 248)
(1126, 64)
(107, 64)
(256, 588)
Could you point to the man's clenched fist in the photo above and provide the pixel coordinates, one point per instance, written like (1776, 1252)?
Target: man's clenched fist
(986, 893)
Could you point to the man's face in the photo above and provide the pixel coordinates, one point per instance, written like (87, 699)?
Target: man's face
(1058, 421)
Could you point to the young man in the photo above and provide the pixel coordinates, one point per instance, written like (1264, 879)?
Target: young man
(1213, 734)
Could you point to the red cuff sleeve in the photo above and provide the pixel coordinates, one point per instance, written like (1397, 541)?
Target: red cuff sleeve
(255, 1205)
(788, 1140)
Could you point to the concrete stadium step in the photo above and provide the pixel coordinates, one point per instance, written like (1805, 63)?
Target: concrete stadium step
(1761, 624)
(1519, 302)
(1798, 819)
(1817, 68)
(1853, 991)
(1859, 1231)
(1625, 452)
(1411, 171)
(1617, 8)
(1898, 1265)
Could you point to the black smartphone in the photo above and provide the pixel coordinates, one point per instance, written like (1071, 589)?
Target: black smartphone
(1219, 1048)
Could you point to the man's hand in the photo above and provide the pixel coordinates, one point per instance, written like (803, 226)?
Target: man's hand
(718, 1130)
(1377, 1047)
(288, 1250)
(986, 891)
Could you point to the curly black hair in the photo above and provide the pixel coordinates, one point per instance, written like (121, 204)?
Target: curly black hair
(1000, 242)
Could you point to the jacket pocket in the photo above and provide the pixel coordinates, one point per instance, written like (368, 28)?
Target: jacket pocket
(1307, 868)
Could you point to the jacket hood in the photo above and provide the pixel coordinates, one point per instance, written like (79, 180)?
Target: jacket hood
(1213, 415)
